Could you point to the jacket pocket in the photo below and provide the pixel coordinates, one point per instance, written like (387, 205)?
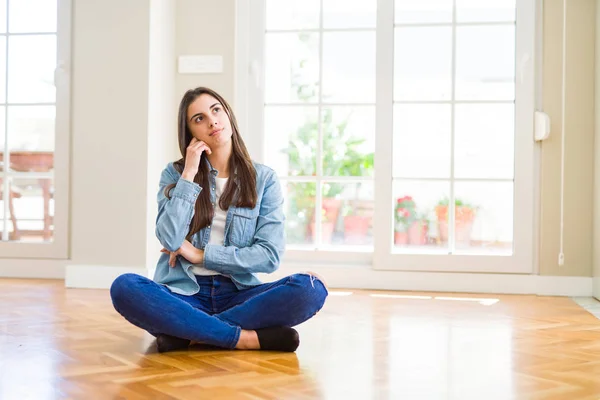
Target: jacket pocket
(243, 226)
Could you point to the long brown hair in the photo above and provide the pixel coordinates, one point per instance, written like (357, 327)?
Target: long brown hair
(240, 191)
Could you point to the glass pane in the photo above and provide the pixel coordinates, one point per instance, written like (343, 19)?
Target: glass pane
(292, 137)
(31, 138)
(416, 221)
(423, 63)
(31, 65)
(32, 16)
(292, 67)
(484, 217)
(9, 214)
(32, 210)
(485, 11)
(2, 16)
(2, 140)
(422, 141)
(300, 212)
(2, 133)
(485, 63)
(484, 141)
(423, 11)
(31, 127)
(347, 213)
(349, 13)
(3, 69)
(349, 67)
(348, 141)
(292, 14)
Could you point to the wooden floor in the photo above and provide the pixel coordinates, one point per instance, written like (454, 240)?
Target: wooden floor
(58, 343)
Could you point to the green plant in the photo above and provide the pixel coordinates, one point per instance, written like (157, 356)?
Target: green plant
(341, 153)
(444, 201)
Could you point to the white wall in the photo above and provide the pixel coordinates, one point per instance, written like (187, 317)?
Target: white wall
(110, 44)
(207, 28)
(579, 154)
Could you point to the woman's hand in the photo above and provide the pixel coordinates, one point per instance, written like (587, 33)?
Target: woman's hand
(192, 158)
(187, 251)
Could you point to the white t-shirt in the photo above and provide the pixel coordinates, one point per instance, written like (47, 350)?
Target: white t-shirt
(217, 229)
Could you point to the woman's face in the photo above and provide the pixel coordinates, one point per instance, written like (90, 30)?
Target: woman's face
(208, 121)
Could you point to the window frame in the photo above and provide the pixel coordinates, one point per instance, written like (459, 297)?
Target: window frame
(57, 248)
(249, 104)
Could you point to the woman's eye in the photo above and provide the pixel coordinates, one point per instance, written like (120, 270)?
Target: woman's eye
(216, 109)
(198, 119)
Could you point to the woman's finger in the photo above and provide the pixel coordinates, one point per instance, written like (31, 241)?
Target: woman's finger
(198, 144)
(172, 259)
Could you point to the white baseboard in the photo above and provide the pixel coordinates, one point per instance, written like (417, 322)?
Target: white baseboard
(596, 287)
(32, 268)
(97, 276)
(101, 277)
(350, 277)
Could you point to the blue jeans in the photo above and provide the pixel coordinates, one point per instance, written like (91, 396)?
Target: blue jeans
(219, 311)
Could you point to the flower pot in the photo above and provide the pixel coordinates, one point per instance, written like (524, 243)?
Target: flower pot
(326, 231)
(417, 233)
(332, 208)
(355, 229)
(400, 238)
(464, 217)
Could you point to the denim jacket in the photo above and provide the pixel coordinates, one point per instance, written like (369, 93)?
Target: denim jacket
(254, 238)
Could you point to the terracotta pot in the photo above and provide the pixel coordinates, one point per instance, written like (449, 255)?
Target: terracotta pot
(356, 229)
(326, 231)
(332, 208)
(417, 233)
(464, 217)
(400, 238)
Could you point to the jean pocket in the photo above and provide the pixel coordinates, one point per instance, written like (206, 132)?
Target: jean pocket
(243, 227)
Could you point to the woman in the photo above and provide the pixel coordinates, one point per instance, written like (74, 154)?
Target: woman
(220, 221)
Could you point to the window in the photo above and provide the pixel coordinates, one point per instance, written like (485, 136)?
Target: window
(399, 128)
(320, 129)
(34, 59)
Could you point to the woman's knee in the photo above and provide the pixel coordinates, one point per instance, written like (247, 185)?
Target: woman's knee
(316, 276)
(314, 285)
(122, 287)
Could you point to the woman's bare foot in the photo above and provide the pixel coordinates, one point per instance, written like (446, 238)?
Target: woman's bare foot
(248, 341)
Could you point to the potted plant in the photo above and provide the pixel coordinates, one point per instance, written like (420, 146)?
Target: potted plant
(405, 214)
(464, 215)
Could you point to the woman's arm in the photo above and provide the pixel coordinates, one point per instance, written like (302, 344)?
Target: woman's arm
(269, 239)
(175, 214)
